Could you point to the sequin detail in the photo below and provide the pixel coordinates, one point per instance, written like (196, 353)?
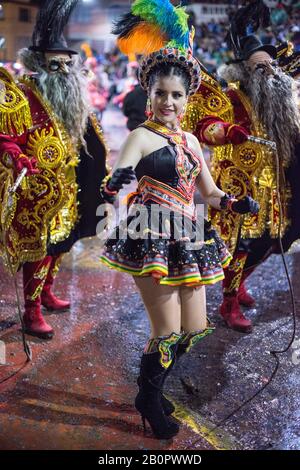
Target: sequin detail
(165, 346)
(188, 340)
(157, 252)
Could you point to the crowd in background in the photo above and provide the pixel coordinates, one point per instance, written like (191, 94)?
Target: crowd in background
(211, 48)
(111, 78)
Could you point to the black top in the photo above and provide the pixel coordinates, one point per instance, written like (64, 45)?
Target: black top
(159, 165)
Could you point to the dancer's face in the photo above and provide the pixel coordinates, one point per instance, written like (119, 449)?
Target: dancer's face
(168, 99)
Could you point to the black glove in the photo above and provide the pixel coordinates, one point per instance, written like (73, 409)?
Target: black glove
(120, 177)
(245, 205)
(107, 197)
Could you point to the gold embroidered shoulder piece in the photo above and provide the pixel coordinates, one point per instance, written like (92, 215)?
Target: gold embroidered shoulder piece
(248, 169)
(210, 100)
(15, 116)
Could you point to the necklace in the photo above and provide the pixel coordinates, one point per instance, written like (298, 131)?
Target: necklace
(176, 136)
(157, 121)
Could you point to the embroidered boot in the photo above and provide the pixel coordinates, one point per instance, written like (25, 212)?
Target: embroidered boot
(49, 300)
(244, 297)
(156, 360)
(189, 339)
(230, 308)
(34, 275)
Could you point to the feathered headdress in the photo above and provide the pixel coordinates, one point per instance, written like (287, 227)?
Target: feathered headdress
(151, 25)
(158, 30)
(51, 20)
(246, 21)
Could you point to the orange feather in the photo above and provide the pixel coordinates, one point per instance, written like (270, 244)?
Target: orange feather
(144, 39)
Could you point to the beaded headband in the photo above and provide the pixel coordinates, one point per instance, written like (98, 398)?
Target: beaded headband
(174, 57)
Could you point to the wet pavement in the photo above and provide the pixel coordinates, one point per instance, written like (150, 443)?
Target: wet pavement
(78, 391)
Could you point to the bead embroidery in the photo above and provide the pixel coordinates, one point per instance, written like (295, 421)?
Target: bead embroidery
(163, 345)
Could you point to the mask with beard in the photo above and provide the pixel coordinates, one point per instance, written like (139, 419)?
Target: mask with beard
(274, 102)
(66, 92)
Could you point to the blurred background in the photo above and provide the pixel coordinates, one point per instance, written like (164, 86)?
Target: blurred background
(114, 75)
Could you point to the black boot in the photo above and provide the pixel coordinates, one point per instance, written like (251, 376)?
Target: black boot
(167, 405)
(154, 368)
(188, 340)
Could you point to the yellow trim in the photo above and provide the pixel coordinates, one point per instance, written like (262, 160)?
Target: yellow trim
(202, 427)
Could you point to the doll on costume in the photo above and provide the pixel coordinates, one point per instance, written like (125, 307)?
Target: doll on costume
(170, 266)
(46, 127)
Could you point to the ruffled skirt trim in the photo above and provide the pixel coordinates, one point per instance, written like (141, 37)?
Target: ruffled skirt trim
(169, 263)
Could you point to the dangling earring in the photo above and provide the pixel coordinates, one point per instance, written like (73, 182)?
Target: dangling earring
(181, 115)
(149, 112)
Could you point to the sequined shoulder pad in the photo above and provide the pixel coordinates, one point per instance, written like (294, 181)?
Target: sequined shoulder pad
(210, 100)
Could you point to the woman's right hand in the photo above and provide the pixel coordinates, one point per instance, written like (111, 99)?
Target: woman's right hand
(120, 177)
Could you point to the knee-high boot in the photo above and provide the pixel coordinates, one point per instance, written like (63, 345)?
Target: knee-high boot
(230, 308)
(156, 360)
(167, 405)
(186, 342)
(189, 339)
(49, 300)
(34, 275)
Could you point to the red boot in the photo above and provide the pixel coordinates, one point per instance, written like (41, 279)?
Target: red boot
(244, 297)
(34, 275)
(35, 324)
(49, 300)
(233, 316)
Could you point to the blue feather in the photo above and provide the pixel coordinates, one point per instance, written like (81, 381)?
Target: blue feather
(172, 20)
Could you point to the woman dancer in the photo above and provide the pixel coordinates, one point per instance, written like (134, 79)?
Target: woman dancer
(168, 261)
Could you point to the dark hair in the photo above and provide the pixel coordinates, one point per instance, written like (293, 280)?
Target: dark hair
(168, 70)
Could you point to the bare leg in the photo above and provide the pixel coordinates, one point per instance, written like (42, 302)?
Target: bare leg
(193, 319)
(162, 304)
(193, 308)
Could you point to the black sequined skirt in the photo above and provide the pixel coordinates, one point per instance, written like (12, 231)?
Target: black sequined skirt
(170, 260)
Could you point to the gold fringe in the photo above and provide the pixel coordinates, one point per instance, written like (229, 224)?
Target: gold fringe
(15, 115)
(16, 122)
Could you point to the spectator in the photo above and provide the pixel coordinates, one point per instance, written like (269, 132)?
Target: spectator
(134, 107)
